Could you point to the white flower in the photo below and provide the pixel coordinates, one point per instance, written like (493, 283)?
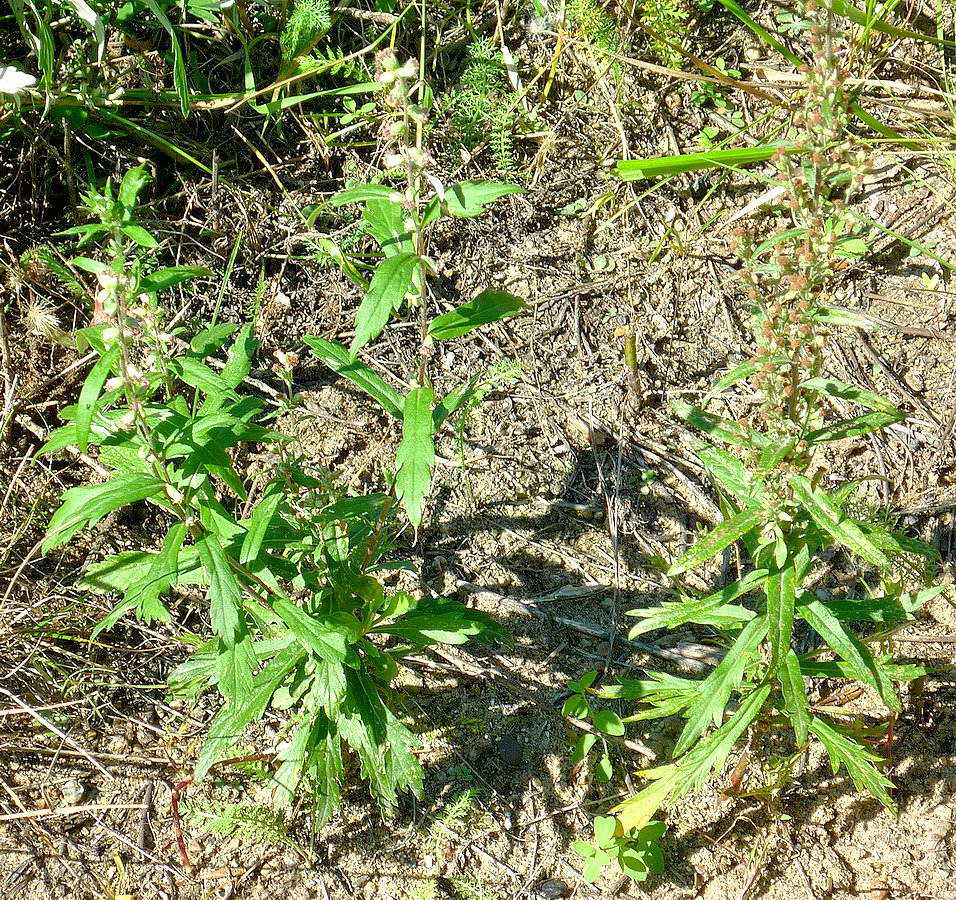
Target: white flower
(13, 81)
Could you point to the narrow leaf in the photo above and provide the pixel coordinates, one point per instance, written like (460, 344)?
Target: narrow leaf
(86, 405)
(338, 358)
(488, 306)
(713, 542)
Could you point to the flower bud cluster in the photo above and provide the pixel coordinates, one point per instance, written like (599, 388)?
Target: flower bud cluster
(789, 287)
(404, 117)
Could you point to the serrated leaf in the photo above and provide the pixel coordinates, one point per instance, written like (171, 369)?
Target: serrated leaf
(780, 592)
(716, 688)
(772, 455)
(859, 762)
(722, 429)
(85, 506)
(832, 387)
(338, 358)
(714, 609)
(795, 695)
(226, 728)
(714, 541)
(260, 521)
(386, 291)
(846, 645)
(848, 428)
(727, 471)
(416, 453)
(833, 521)
(211, 339)
(386, 223)
(86, 405)
(225, 594)
(140, 235)
(328, 636)
(488, 306)
(362, 192)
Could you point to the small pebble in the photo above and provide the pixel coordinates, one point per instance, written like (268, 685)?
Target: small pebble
(509, 750)
(552, 889)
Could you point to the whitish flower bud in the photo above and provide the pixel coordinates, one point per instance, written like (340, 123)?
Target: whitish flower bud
(409, 69)
(110, 335)
(175, 495)
(393, 160)
(108, 281)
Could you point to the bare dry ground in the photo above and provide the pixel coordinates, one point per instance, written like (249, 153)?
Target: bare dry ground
(549, 508)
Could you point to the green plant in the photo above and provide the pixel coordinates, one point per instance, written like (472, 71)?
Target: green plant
(479, 108)
(290, 565)
(667, 19)
(707, 93)
(399, 220)
(636, 851)
(779, 508)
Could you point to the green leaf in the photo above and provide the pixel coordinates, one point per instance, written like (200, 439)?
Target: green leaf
(260, 521)
(716, 689)
(163, 572)
(576, 706)
(198, 375)
(86, 405)
(488, 306)
(714, 609)
(846, 645)
(795, 695)
(469, 198)
(225, 595)
(662, 166)
(854, 427)
(210, 339)
(831, 387)
(719, 428)
(85, 506)
(162, 279)
(584, 682)
(239, 363)
(382, 744)
(713, 542)
(140, 235)
(416, 453)
(780, 591)
(727, 471)
(608, 722)
(835, 523)
(226, 728)
(440, 621)
(859, 762)
(179, 64)
(772, 455)
(387, 290)
(386, 223)
(363, 192)
(328, 636)
(338, 358)
(582, 747)
(133, 182)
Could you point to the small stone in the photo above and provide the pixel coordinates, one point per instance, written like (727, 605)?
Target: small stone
(71, 792)
(752, 53)
(915, 382)
(552, 889)
(509, 750)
